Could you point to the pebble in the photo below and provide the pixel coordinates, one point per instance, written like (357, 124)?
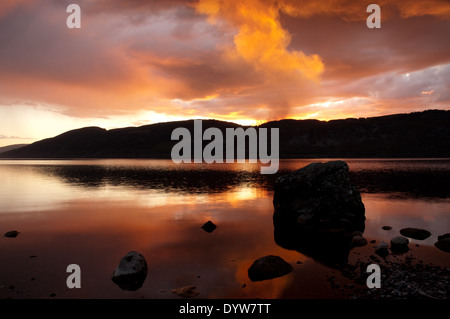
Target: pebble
(405, 281)
(11, 234)
(209, 226)
(358, 241)
(186, 292)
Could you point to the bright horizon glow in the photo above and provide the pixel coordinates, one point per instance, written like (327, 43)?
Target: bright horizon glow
(118, 123)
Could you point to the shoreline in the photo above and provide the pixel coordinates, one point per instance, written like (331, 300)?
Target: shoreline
(420, 273)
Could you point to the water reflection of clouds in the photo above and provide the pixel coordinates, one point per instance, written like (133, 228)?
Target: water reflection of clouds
(399, 213)
(36, 185)
(117, 209)
(29, 188)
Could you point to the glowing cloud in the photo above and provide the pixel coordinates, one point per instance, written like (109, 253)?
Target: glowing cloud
(261, 40)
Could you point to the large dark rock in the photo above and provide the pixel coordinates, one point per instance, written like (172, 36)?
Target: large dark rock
(131, 272)
(268, 267)
(320, 195)
(316, 210)
(415, 233)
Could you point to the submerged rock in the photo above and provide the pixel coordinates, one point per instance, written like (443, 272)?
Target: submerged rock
(382, 249)
(443, 243)
(11, 234)
(399, 244)
(209, 226)
(359, 241)
(415, 233)
(131, 272)
(316, 210)
(186, 292)
(268, 267)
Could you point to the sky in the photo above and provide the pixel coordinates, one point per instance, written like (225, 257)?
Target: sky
(137, 62)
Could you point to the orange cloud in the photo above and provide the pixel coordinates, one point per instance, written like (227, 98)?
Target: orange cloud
(260, 38)
(439, 8)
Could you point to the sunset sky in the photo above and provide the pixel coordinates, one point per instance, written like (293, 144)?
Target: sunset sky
(137, 62)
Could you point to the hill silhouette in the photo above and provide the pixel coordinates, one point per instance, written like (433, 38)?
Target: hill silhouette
(11, 147)
(420, 134)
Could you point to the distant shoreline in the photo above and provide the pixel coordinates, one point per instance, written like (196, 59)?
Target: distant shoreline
(415, 135)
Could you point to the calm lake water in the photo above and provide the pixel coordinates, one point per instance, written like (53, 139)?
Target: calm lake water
(92, 212)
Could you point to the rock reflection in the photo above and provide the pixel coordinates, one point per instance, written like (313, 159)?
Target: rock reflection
(330, 247)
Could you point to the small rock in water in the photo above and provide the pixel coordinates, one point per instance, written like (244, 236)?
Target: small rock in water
(415, 233)
(382, 249)
(11, 234)
(386, 227)
(131, 272)
(209, 226)
(268, 267)
(186, 292)
(399, 244)
(359, 241)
